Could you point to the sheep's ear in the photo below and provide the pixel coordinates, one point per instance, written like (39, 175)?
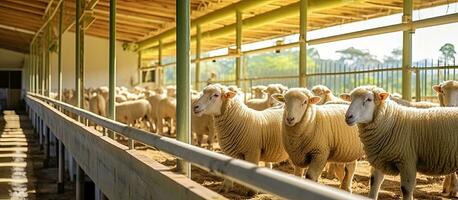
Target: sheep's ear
(314, 100)
(327, 91)
(345, 97)
(383, 96)
(438, 89)
(264, 91)
(279, 97)
(229, 94)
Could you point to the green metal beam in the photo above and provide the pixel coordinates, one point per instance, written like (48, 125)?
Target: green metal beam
(160, 70)
(208, 18)
(238, 47)
(42, 66)
(47, 63)
(407, 51)
(59, 51)
(183, 79)
(266, 18)
(198, 52)
(112, 63)
(303, 43)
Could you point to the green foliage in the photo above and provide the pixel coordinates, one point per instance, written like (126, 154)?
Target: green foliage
(448, 53)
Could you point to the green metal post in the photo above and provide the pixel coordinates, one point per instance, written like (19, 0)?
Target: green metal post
(417, 85)
(303, 43)
(407, 52)
(183, 39)
(59, 51)
(78, 53)
(42, 66)
(238, 43)
(47, 63)
(112, 64)
(83, 5)
(198, 51)
(32, 66)
(159, 63)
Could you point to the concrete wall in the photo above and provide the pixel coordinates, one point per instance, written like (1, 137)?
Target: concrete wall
(96, 63)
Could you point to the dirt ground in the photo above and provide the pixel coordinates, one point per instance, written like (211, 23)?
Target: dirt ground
(427, 187)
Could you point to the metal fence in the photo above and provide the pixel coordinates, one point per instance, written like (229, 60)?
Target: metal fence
(263, 179)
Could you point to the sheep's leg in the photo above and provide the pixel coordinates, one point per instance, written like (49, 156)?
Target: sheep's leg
(160, 126)
(211, 136)
(375, 182)
(339, 170)
(254, 158)
(408, 181)
(200, 138)
(269, 165)
(348, 178)
(446, 185)
(316, 166)
(299, 171)
(228, 184)
(453, 185)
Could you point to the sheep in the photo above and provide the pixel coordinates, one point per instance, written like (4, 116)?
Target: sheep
(242, 133)
(203, 125)
(314, 135)
(120, 98)
(327, 97)
(325, 93)
(447, 93)
(421, 104)
(258, 91)
(166, 111)
(130, 111)
(98, 104)
(262, 104)
(403, 140)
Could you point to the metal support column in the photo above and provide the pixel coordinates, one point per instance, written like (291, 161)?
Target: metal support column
(78, 54)
(160, 70)
(42, 66)
(238, 44)
(112, 65)
(47, 146)
(407, 51)
(198, 51)
(183, 39)
(80, 175)
(303, 43)
(47, 63)
(59, 55)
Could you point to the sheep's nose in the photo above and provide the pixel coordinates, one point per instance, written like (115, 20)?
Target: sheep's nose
(196, 107)
(290, 119)
(350, 116)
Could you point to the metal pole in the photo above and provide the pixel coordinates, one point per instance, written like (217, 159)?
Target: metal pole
(83, 5)
(47, 63)
(198, 51)
(303, 43)
(112, 65)
(183, 79)
(238, 43)
(79, 182)
(78, 54)
(43, 66)
(159, 62)
(407, 51)
(59, 55)
(417, 85)
(32, 73)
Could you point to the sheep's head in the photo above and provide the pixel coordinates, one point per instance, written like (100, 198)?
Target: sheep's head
(171, 91)
(296, 100)
(212, 99)
(448, 93)
(258, 91)
(321, 91)
(364, 101)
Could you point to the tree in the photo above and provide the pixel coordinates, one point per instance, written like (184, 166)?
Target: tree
(356, 57)
(395, 58)
(448, 52)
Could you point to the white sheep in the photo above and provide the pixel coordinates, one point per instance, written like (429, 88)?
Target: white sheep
(258, 91)
(403, 140)
(325, 94)
(98, 104)
(242, 133)
(203, 125)
(262, 104)
(447, 93)
(314, 135)
(166, 112)
(421, 104)
(130, 111)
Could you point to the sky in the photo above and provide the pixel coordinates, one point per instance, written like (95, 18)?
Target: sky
(426, 41)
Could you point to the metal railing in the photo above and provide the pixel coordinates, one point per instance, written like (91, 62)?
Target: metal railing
(271, 181)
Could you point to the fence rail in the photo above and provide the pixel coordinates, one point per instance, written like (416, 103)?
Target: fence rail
(263, 179)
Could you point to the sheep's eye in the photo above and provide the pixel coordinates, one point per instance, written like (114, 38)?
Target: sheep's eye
(305, 102)
(368, 100)
(216, 95)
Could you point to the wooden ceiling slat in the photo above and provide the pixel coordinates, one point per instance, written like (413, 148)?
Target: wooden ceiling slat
(33, 4)
(21, 8)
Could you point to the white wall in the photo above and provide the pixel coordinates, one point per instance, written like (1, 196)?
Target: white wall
(96, 63)
(11, 59)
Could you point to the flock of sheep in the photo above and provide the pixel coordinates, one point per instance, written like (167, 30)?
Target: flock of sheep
(309, 128)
